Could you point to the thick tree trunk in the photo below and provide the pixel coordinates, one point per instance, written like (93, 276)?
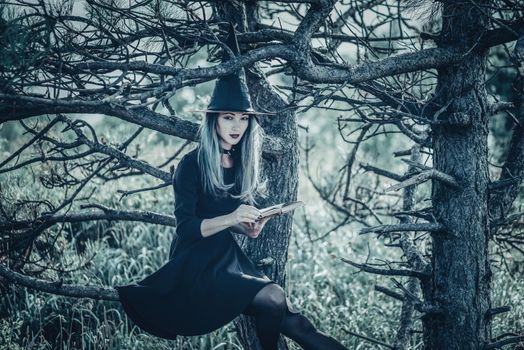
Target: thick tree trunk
(281, 171)
(269, 250)
(461, 272)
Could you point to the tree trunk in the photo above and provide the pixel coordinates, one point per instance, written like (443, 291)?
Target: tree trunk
(281, 172)
(269, 250)
(461, 274)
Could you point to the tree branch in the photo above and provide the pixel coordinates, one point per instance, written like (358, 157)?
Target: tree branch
(507, 341)
(387, 272)
(106, 214)
(407, 227)
(97, 293)
(423, 177)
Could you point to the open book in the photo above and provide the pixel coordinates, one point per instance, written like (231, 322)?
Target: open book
(280, 209)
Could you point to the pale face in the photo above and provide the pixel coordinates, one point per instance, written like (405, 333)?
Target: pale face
(230, 128)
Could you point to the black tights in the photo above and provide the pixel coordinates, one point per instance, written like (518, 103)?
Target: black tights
(272, 317)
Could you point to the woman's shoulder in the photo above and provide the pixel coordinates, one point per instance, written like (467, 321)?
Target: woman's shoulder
(191, 156)
(189, 162)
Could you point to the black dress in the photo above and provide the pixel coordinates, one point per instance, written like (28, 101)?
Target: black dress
(208, 281)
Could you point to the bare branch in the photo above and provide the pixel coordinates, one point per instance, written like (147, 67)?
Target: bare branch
(382, 172)
(429, 227)
(423, 177)
(498, 310)
(387, 272)
(507, 341)
(58, 288)
(418, 305)
(106, 214)
(494, 108)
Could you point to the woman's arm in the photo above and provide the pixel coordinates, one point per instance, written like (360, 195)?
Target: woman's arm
(250, 229)
(239, 220)
(213, 225)
(186, 183)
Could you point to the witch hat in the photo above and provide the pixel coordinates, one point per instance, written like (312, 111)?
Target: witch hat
(231, 93)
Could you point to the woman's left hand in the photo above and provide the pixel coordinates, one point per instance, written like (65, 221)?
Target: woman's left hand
(253, 229)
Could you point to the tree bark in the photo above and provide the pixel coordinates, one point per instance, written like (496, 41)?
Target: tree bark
(282, 181)
(461, 278)
(269, 251)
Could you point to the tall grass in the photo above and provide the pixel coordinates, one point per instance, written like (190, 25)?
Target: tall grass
(334, 296)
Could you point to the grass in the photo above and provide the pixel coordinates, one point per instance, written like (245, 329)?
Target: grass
(329, 292)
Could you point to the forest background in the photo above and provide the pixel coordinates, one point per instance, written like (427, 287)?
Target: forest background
(339, 298)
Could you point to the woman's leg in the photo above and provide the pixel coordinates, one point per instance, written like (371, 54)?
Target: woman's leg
(272, 317)
(298, 328)
(268, 307)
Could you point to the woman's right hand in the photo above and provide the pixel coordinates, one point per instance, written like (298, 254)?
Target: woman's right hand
(244, 213)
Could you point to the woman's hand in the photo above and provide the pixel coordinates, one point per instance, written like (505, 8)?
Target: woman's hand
(253, 229)
(244, 214)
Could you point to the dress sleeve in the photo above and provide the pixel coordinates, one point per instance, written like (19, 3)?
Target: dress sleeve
(185, 184)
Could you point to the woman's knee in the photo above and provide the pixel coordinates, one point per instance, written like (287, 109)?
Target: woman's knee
(271, 300)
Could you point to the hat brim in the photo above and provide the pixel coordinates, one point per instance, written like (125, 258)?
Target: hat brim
(247, 112)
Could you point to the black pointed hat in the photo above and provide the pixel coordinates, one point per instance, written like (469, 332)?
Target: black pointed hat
(231, 93)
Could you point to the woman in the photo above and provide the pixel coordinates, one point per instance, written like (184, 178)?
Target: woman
(208, 280)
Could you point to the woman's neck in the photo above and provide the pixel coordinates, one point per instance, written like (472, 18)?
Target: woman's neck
(227, 161)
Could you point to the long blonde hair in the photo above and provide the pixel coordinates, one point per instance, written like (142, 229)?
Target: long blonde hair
(248, 171)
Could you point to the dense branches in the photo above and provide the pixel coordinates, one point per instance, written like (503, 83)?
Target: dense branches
(386, 73)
